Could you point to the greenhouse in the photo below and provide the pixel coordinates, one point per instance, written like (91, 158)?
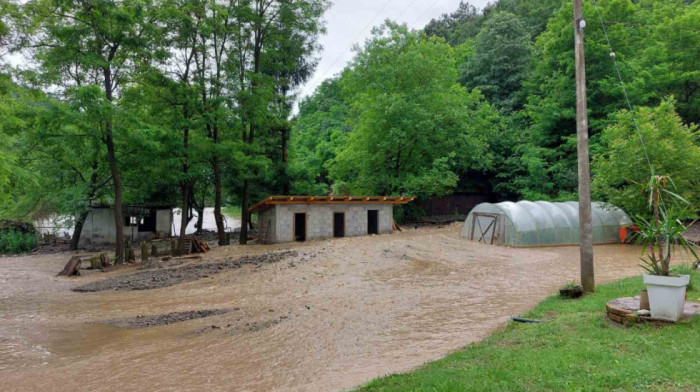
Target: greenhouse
(541, 223)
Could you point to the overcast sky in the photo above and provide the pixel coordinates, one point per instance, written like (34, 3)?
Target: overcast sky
(351, 21)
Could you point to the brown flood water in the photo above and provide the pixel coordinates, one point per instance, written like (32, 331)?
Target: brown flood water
(339, 314)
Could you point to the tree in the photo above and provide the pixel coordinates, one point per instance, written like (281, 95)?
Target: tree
(85, 42)
(621, 171)
(263, 30)
(415, 129)
(319, 131)
(500, 62)
(456, 28)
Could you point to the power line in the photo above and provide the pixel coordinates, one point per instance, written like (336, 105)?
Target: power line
(405, 9)
(425, 12)
(624, 87)
(325, 74)
(351, 43)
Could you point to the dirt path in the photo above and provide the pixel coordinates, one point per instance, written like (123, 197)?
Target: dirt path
(335, 315)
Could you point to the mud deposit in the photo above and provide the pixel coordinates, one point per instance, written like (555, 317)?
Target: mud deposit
(331, 316)
(160, 278)
(164, 319)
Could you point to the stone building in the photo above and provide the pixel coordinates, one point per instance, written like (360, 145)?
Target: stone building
(140, 223)
(298, 218)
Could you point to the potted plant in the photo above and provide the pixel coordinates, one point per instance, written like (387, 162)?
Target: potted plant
(658, 239)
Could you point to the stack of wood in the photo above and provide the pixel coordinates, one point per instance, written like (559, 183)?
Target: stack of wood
(192, 244)
(199, 246)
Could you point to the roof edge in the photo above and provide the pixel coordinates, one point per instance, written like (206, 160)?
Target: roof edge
(282, 200)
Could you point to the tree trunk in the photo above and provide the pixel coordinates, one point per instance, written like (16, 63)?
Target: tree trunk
(243, 240)
(116, 177)
(183, 216)
(218, 216)
(200, 218)
(79, 223)
(286, 183)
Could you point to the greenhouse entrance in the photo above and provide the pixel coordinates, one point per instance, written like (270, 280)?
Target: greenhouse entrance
(484, 226)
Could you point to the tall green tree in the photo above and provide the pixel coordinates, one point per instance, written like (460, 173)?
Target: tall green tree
(621, 170)
(415, 128)
(263, 39)
(86, 42)
(319, 130)
(501, 61)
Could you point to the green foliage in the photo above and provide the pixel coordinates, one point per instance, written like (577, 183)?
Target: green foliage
(17, 236)
(659, 240)
(319, 130)
(621, 172)
(501, 61)
(575, 348)
(15, 242)
(414, 129)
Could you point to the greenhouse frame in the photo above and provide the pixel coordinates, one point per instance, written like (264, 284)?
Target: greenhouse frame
(541, 223)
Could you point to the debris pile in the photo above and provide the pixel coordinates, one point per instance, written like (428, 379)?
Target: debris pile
(171, 276)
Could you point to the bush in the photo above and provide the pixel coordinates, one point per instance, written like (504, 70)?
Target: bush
(14, 241)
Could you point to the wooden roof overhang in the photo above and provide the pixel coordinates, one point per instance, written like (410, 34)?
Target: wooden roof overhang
(286, 200)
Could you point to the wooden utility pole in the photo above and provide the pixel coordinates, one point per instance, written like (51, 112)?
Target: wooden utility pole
(584, 167)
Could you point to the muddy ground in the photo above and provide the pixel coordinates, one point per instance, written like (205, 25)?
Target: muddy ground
(159, 278)
(329, 317)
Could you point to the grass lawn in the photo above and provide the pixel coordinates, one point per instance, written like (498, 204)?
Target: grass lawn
(232, 211)
(576, 348)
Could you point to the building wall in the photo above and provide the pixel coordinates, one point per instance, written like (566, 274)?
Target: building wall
(319, 219)
(164, 222)
(99, 228)
(267, 223)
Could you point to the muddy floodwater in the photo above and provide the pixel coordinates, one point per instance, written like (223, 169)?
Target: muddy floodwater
(333, 315)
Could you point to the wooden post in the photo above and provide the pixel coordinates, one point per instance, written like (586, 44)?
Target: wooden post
(154, 250)
(173, 248)
(144, 252)
(584, 170)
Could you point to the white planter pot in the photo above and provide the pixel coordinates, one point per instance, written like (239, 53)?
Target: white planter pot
(666, 295)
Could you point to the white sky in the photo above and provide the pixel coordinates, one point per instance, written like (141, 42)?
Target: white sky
(350, 21)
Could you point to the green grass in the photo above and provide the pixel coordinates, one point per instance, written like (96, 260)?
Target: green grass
(576, 348)
(232, 211)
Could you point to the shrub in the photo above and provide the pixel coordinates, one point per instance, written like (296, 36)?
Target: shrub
(14, 241)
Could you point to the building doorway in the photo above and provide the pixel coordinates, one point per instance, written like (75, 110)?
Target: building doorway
(338, 224)
(372, 222)
(300, 227)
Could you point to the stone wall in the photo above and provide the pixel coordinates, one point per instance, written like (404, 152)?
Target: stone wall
(319, 219)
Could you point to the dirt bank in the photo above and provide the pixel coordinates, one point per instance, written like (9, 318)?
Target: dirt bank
(335, 315)
(165, 319)
(159, 278)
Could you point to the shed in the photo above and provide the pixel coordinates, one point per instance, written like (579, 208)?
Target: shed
(541, 223)
(298, 218)
(140, 223)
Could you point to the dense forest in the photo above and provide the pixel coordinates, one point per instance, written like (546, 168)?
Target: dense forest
(189, 102)
(484, 101)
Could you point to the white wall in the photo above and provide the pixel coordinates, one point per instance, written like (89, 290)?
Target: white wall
(99, 228)
(164, 222)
